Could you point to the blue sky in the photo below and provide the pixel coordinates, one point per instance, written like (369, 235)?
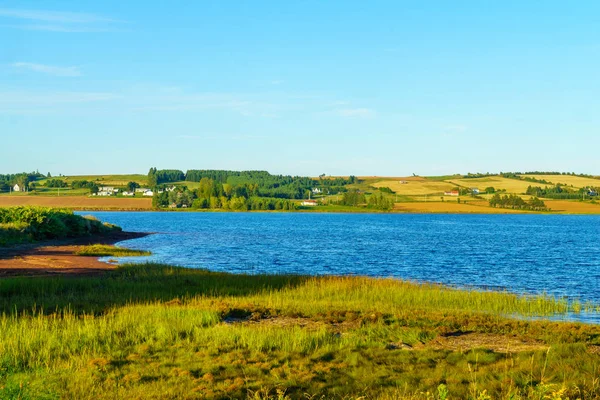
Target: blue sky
(300, 87)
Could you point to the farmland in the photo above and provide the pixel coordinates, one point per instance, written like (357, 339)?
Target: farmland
(77, 202)
(108, 180)
(497, 182)
(408, 194)
(568, 180)
(415, 186)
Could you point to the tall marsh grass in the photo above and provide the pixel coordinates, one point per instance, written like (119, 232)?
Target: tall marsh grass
(157, 331)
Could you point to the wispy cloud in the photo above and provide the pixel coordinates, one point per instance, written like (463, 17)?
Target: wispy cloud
(355, 113)
(57, 21)
(48, 69)
(23, 102)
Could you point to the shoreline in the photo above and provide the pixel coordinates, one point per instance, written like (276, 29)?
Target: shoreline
(58, 258)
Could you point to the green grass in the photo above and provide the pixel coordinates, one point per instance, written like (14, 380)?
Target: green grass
(101, 250)
(157, 331)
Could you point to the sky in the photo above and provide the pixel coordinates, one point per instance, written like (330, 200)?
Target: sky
(387, 88)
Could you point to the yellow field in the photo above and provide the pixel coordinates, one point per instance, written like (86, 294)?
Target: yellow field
(415, 186)
(576, 181)
(472, 207)
(498, 182)
(77, 202)
(572, 207)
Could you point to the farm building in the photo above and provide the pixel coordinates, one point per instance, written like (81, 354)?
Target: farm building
(452, 193)
(316, 190)
(148, 192)
(310, 203)
(17, 188)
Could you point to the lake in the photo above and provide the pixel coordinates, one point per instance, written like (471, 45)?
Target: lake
(556, 254)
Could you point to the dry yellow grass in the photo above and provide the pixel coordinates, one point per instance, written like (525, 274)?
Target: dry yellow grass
(77, 202)
(498, 182)
(576, 181)
(415, 186)
(573, 207)
(472, 207)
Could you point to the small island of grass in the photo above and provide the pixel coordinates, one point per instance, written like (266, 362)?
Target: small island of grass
(102, 250)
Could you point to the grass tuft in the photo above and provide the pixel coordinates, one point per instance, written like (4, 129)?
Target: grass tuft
(101, 250)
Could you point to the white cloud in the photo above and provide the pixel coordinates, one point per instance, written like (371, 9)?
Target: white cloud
(356, 113)
(48, 69)
(58, 21)
(25, 103)
(54, 16)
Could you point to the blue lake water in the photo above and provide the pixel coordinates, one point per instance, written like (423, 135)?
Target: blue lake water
(556, 254)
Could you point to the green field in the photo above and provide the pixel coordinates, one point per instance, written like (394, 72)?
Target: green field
(155, 331)
(116, 180)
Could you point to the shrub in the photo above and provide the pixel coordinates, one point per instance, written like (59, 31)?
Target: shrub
(22, 224)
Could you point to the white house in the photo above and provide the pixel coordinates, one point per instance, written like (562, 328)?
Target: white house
(148, 192)
(141, 190)
(170, 189)
(16, 188)
(316, 190)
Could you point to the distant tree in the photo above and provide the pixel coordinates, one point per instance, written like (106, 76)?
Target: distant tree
(131, 186)
(152, 178)
(56, 183)
(49, 175)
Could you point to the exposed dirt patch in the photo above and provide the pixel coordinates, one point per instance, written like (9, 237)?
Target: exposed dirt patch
(499, 343)
(594, 349)
(57, 257)
(285, 322)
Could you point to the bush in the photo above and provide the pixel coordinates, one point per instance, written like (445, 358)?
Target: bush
(22, 224)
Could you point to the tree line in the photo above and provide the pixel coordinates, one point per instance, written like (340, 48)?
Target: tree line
(515, 202)
(255, 183)
(558, 192)
(7, 181)
(216, 195)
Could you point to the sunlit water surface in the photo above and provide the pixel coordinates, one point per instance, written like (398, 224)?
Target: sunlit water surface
(555, 254)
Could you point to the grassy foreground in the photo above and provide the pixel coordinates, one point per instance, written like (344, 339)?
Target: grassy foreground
(161, 332)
